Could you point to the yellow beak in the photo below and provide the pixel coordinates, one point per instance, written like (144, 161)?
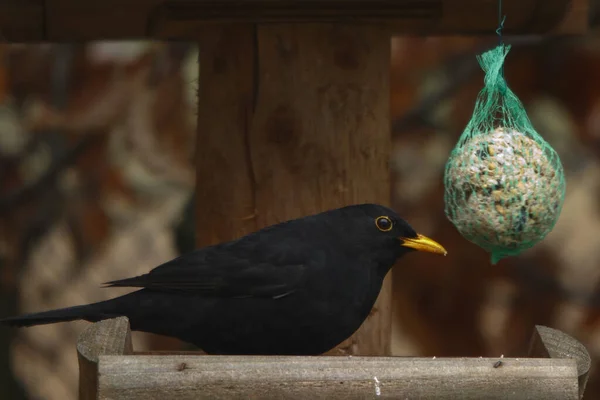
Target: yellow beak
(423, 243)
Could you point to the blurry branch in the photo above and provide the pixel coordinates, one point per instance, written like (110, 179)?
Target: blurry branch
(33, 190)
(61, 75)
(61, 69)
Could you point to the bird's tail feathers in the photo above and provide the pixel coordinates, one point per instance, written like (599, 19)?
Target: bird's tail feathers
(89, 312)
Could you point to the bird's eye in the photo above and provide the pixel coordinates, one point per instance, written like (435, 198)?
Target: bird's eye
(384, 224)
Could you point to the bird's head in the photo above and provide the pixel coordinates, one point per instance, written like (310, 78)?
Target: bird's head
(378, 228)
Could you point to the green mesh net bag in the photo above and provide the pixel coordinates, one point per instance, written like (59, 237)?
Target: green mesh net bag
(504, 185)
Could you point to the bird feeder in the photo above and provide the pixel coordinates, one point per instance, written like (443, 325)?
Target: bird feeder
(294, 119)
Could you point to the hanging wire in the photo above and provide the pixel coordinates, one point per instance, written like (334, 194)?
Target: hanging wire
(501, 19)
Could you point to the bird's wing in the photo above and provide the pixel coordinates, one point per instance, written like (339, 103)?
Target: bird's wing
(225, 272)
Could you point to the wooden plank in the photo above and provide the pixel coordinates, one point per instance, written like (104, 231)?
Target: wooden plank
(293, 120)
(105, 337)
(22, 20)
(178, 18)
(548, 342)
(68, 20)
(236, 377)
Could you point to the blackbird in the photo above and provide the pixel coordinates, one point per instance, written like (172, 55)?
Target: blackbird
(299, 287)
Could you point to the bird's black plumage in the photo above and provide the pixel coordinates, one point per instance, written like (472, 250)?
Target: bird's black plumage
(298, 287)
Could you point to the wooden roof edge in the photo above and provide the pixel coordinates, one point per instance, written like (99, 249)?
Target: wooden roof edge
(76, 20)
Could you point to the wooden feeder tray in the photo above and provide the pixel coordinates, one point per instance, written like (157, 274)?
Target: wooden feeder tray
(556, 367)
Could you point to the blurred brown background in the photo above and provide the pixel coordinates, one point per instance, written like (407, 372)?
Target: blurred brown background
(97, 178)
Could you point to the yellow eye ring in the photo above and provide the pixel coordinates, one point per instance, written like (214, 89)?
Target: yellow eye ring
(384, 224)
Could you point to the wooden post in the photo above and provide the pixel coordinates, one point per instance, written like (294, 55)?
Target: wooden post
(548, 342)
(293, 119)
(193, 376)
(102, 338)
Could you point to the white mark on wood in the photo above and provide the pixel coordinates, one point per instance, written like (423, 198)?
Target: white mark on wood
(377, 387)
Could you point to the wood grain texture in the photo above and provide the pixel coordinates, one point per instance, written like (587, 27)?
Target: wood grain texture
(225, 203)
(234, 377)
(293, 120)
(110, 336)
(69, 20)
(549, 342)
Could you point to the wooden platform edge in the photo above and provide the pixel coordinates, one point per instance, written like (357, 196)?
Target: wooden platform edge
(549, 342)
(556, 367)
(335, 377)
(111, 336)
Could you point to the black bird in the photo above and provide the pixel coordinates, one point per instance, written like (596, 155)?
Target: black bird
(300, 287)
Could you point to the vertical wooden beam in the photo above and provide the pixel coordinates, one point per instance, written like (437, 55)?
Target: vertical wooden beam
(225, 195)
(293, 119)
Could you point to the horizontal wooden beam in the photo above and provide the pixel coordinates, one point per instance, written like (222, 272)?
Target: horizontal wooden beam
(76, 20)
(334, 377)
